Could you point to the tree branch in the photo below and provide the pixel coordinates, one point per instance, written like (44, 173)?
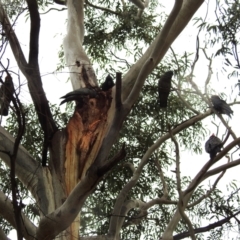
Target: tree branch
(139, 3)
(31, 70)
(221, 168)
(118, 94)
(165, 187)
(208, 192)
(102, 8)
(34, 33)
(133, 181)
(179, 189)
(7, 212)
(184, 16)
(21, 128)
(154, 57)
(60, 2)
(29, 171)
(3, 236)
(205, 229)
(14, 43)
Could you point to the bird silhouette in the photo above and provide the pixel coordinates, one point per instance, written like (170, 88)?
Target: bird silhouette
(108, 84)
(213, 145)
(221, 106)
(164, 86)
(78, 95)
(6, 95)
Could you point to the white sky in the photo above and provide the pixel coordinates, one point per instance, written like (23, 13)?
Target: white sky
(53, 28)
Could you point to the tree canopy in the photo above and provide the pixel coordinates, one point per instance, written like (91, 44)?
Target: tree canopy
(110, 165)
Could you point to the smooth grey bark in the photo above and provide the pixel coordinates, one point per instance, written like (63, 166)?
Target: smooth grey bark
(6, 211)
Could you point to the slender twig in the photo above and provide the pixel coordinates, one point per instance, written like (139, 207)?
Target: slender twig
(56, 9)
(205, 229)
(165, 188)
(21, 128)
(208, 192)
(180, 202)
(102, 8)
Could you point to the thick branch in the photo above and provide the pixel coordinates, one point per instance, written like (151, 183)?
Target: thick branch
(28, 170)
(54, 223)
(7, 212)
(3, 236)
(155, 56)
(133, 181)
(34, 32)
(221, 168)
(118, 94)
(202, 174)
(25, 164)
(208, 192)
(188, 9)
(31, 70)
(14, 43)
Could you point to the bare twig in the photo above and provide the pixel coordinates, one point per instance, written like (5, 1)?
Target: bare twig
(180, 202)
(165, 188)
(205, 229)
(56, 9)
(154, 58)
(208, 192)
(102, 8)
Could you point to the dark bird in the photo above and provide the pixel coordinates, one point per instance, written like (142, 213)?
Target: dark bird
(213, 145)
(108, 83)
(164, 86)
(221, 106)
(6, 95)
(78, 95)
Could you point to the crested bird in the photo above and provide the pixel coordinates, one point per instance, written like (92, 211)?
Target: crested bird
(6, 95)
(221, 106)
(108, 83)
(78, 95)
(213, 145)
(164, 86)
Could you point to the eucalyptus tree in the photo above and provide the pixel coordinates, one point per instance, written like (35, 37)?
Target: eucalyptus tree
(109, 161)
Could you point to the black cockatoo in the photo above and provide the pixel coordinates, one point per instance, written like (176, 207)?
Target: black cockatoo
(213, 145)
(221, 106)
(108, 83)
(78, 95)
(164, 86)
(6, 95)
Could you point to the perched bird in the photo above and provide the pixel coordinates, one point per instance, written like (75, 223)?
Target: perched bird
(6, 95)
(213, 145)
(221, 106)
(108, 83)
(78, 95)
(164, 85)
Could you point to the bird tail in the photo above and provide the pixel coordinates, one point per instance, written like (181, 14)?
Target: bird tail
(227, 110)
(163, 99)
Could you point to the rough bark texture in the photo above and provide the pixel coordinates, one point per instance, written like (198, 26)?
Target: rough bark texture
(85, 132)
(78, 153)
